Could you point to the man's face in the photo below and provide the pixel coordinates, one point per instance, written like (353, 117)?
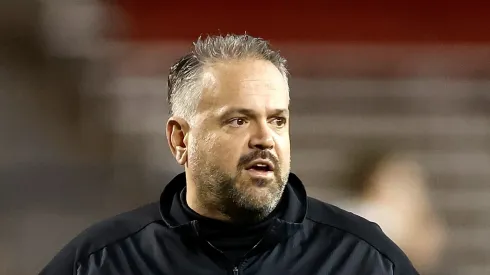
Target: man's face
(238, 147)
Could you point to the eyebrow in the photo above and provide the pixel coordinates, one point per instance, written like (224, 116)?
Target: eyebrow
(251, 113)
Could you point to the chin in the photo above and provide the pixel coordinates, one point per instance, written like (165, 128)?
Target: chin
(260, 197)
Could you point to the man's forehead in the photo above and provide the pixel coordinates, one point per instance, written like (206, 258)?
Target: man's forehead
(244, 72)
(249, 99)
(247, 86)
(236, 109)
(244, 88)
(250, 83)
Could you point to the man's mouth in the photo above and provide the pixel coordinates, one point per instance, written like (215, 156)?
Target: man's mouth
(261, 165)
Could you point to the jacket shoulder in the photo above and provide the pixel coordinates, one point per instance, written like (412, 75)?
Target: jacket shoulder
(369, 232)
(100, 235)
(118, 227)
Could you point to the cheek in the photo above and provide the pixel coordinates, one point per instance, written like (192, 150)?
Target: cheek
(198, 148)
(202, 144)
(227, 148)
(215, 148)
(283, 148)
(284, 154)
(286, 159)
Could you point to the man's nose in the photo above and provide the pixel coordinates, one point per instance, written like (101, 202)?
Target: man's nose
(262, 137)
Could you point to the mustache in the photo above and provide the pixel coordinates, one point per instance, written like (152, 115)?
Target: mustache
(258, 154)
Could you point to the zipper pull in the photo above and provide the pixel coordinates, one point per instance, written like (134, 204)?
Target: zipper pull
(235, 270)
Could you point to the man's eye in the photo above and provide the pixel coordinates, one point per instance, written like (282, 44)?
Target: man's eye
(237, 122)
(280, 121)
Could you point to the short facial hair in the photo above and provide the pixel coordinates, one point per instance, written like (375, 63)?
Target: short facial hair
(218, 190)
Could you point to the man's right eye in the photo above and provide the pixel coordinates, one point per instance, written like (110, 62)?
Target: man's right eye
(237, 122)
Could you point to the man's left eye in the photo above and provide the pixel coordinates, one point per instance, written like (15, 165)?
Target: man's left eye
(280, 121)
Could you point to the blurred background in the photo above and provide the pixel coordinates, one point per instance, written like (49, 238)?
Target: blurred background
(391, 115)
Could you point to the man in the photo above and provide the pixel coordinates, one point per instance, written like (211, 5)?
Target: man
(237, 209)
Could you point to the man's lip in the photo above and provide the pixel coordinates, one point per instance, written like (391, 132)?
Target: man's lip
(269, 164)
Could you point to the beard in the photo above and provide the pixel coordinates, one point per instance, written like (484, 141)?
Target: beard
(235, 195)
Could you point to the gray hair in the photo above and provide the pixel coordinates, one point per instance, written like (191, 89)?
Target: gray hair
(186, 74)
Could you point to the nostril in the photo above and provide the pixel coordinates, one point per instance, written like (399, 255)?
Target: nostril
(262, 146)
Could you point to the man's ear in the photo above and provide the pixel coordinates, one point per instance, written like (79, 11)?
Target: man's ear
(177, 137)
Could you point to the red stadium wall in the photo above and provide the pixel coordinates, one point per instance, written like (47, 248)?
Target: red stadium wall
(313, 21)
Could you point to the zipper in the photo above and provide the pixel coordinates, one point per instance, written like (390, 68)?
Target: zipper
(194, 226)
(255, 246)
(235, 268)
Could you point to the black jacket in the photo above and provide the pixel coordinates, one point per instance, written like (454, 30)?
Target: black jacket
(312, 237)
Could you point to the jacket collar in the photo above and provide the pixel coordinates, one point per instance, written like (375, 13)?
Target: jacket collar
(294, 197)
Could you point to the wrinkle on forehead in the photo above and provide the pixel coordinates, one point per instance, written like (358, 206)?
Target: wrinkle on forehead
(245, 70)
(258, 83)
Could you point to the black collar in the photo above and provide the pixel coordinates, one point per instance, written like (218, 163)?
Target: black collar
(285, 225)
